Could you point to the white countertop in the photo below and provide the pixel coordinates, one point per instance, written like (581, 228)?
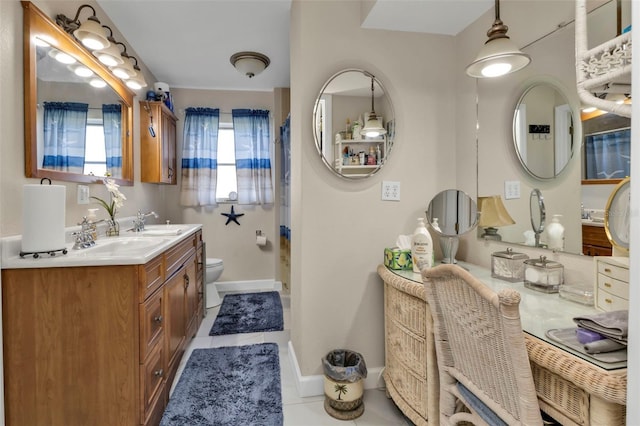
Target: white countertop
(130, 248)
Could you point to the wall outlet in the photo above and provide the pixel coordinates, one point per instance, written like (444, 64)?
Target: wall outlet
(83, 194)
(511, 189)
(390, 191)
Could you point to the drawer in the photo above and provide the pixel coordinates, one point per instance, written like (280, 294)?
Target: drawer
(408, 311)
(407, 347)
(412, 389)
(151, 277)
(178, 254)
(609, 302)
(614, 271)
(151, 324)
(614, 286)
(152, 379)
(156, 410)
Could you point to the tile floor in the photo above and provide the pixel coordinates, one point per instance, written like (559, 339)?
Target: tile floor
(379, 410)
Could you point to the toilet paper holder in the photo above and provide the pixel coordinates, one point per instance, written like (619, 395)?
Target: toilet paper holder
(258, 233)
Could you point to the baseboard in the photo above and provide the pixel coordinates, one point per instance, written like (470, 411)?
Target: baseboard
(251, 285)
(314, 385)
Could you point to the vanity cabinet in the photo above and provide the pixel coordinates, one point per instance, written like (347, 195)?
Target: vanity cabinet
(595, 241)
(612, 283)
(98, 344)
(157, 150)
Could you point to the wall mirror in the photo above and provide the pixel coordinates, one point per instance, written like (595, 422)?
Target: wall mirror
(543, 130)
(552, 72)
(451, 213)
(68, 120)
(606, 148)
(341, 113)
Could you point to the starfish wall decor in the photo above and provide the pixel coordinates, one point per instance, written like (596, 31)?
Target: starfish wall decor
(232, 216)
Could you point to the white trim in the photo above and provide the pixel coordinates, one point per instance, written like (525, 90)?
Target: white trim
(314, 385)
(251, 285)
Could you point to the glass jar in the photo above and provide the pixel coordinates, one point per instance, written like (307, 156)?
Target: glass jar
(508, 265)
(543, 275)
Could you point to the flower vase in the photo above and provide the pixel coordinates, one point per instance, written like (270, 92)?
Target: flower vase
(113, 228)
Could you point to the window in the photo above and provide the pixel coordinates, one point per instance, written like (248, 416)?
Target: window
(227, 181)
(95, 157)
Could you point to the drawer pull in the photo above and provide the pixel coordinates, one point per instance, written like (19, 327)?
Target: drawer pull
(607, 285)
(607, 270)
(158, 318)
(608, 300)
(158, 373)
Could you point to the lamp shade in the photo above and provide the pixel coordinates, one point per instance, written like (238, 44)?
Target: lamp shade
(493, 213)
(373, 128)
(110, 56)
(250, 63)
(91, 34)
(498, 57)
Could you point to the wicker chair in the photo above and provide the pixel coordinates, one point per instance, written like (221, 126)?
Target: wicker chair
(482, 358)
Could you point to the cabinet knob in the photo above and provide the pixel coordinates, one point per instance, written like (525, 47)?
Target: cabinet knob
(158, 318)
(607, 270)
(158, 373)
(608, 300)
(607, 285)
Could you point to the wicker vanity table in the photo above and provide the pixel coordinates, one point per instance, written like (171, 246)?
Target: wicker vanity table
(571, 388)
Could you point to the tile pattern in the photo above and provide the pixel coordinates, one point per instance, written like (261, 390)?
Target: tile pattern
(379, 410)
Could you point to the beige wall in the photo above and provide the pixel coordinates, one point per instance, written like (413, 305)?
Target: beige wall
(340, 228)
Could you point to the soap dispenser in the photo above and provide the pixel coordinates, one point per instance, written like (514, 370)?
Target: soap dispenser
(92, 218)
(421, 247)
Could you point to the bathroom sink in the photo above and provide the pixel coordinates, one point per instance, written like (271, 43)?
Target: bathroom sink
(155, 230)
(124, 247)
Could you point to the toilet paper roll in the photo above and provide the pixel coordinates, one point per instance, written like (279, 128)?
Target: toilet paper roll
(43, 218)
(261, 240)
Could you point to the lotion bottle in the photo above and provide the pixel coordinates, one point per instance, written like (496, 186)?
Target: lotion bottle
(421, 247)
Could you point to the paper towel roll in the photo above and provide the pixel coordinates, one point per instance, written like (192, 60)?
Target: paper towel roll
(261, 240)
(43, 218)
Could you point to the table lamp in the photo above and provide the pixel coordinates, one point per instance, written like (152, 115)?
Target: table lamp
(493, 215)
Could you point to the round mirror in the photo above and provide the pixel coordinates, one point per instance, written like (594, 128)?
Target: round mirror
(617, 215)
(543, 130)
(538, 214)
(451, 213)
(353, 124)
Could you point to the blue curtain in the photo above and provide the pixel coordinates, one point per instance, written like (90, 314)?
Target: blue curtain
(112, 125)
(65, 129)
(608, 155)
(200, 157)
(253, 163)
(285, 179)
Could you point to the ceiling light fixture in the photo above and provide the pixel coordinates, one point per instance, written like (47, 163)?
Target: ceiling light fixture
(137, 81)
(90, 33)
(499, 55)
(373, 127)
(125, 70)
(250, 63)
(110, 55)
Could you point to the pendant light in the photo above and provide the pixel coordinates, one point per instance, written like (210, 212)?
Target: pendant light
(373, 127)
(499, 55)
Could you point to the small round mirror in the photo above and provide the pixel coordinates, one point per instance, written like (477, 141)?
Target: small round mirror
(451, 213)
(538, 214)
(353, 124)
(543, 130)
(618, 215)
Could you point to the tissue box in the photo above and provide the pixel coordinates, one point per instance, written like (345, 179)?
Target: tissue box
(395, 258)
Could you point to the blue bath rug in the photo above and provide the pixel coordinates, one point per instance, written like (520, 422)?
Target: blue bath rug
(234, 385)
(249, 313)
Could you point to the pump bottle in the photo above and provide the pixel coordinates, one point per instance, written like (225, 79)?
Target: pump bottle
(421, 247)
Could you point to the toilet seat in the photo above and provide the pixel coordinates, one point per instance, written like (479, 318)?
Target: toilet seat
(212, 262)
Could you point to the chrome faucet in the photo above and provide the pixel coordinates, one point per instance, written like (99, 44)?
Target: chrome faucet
(138, 222)
(84, 237)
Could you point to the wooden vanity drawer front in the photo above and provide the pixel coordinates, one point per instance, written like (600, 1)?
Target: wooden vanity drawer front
(613, 271)
(151, 277)
(610, 302)
(152, 378)
(151, 324)
(177, 255)
(408, 311)
(613, 286)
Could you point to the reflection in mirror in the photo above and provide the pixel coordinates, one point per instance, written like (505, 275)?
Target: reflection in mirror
(78, 117)
(339, 114)
(553, 61)
(617, 216)
(606, 148)
(538, 215)
(451, 213)
(543, 130)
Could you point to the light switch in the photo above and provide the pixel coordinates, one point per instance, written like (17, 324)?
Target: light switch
(83, 194)
(511, 189)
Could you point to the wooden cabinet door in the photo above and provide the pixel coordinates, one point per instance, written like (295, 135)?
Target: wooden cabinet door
(175, 315)
(168, 168)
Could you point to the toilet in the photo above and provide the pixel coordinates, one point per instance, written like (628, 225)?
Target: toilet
(213, 272)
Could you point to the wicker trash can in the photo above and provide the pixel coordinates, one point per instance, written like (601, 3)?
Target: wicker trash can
(343, 384)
